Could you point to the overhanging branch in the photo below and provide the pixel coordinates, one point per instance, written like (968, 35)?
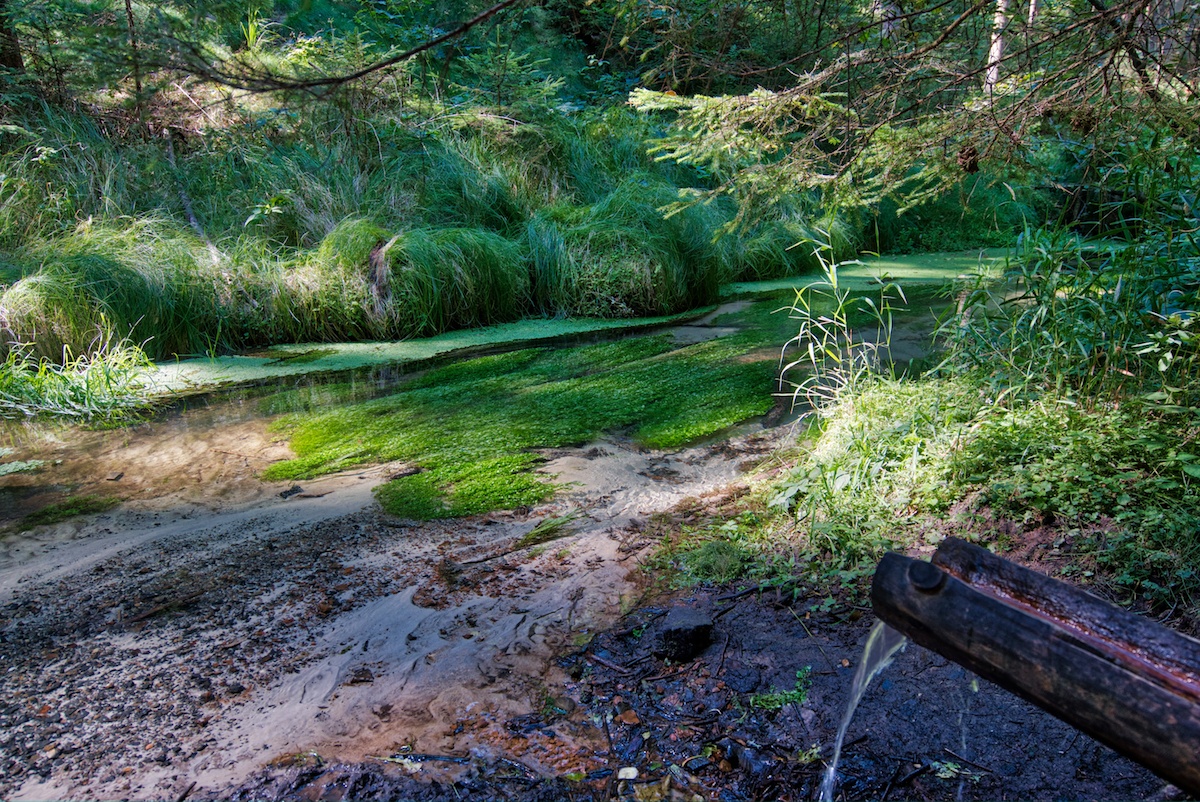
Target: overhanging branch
(253, 78)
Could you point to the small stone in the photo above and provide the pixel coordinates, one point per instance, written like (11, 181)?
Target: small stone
(360, 676)
(686, 633)
(627, 773)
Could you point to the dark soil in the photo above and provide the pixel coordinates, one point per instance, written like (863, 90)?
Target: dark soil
(704, 729)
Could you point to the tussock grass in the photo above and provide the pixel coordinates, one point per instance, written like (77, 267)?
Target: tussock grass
(142, 281)
(454, 278)
(465, 185)
(620, 257)
(481, 218)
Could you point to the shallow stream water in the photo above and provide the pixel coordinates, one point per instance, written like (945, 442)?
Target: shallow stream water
(883, 644)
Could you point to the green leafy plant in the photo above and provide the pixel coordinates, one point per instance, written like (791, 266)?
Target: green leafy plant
(833, 356)
(106, 385)
(775, 700)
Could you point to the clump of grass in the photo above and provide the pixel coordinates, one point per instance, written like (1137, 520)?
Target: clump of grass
(883, 456)
(73, 507)
(453, 491)
(143, 281)
(454, 278)
(716, 562)
(466, 185)
(104, 385)
(548, 529)
(620, 258)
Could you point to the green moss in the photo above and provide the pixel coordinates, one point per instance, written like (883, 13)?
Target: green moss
(71, 508)
(472, 426)
(417, 497)
(350, 243)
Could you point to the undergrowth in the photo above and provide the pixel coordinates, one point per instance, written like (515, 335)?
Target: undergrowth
(1066, 406)
(301, 233)
(104, 386)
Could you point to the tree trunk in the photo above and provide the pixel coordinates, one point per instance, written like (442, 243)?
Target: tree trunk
(996, 51)
(136, 62)
(10, 45)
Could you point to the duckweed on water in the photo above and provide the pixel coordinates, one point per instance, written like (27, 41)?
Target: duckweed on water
(471, 427)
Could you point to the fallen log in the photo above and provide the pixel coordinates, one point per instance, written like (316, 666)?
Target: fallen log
(1124, 680)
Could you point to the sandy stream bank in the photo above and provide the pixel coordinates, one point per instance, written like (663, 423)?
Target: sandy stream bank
(168, 643)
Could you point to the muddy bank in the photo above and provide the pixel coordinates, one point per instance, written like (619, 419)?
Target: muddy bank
(157, 647)
(312, 648)
(735, 723)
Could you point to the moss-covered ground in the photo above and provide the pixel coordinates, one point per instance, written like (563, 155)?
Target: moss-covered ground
(473, 427)
(73, 507)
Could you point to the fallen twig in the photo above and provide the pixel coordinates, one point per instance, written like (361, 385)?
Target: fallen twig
(669, 674)
(739, 594)
(968, 761)
(620, 669)
(808, 632)
(158, 608)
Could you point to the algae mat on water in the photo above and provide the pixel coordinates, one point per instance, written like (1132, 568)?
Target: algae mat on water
(293, 360)
(917, 270)
(470, 429)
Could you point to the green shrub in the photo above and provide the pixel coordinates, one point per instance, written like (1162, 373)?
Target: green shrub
(980, 213)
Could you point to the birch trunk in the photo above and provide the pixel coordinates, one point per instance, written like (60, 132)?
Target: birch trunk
(996, 51)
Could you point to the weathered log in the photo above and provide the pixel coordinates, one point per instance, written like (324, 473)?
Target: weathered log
(1126, 681)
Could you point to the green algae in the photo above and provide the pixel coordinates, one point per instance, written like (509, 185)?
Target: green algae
(867, 274)
(73, 507)
(474, 427)
(294, 360)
